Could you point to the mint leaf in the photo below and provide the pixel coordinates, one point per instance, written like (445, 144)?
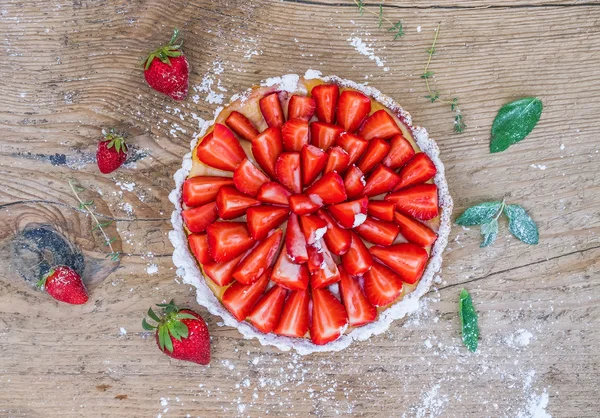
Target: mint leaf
(468, 321)
(479, 214)
(514, 122)
(521, 225)
(489, 230)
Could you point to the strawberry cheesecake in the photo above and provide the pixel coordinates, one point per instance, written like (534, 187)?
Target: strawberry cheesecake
(310, 213)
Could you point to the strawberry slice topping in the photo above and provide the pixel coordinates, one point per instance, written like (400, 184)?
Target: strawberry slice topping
(222, 273)
(263, 219)
(350, 214)
(294, 320)
(198, 219)
(324, 135)
(261, 258)
(313, 228)
(328, 272)
(330, 188)
(353, 108)
(248, 179)
(337, 161)
(240, 124)
(288, 274)
(203, 189)
(227, 240)
(301, 107)
(287, 170)
(266, 149)
(381, 180)
(329, 318)
(378, 232)
(274, 193)
(379, 125)
(357, 260)
(415, 231)
(338, 239)
(295, 241)
(326, 99)
(401, 151)
(408, 260)
(354, 182)
(313, 161)
(418, 170)
(381, 209)
(382, 285)
(315, 259)
(240, 299)
(375, 153)
(221, 149)
(354, 145)
(199, 245)
(270, 106)
(267, 311)
(231, 203)
(303, 205)
(420, 201)
(359, 309)
(294, 134)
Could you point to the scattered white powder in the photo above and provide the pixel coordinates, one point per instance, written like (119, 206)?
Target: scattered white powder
(288, 82)
(540, 166)
(126, 186)
(152, 269)
(359, 218)
(562, 147)
(312, 74)
(122, 331)
(520, 338)
(536, 407)
(367, 51)
(126, 206)
(432, 404)
(320, 232)
(418, 28)
(208, 83)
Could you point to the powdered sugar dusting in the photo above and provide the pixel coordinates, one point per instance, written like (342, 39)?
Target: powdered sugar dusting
(367, 51)
(359, 219)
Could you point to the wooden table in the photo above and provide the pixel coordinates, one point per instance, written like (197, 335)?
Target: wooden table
(71, 68)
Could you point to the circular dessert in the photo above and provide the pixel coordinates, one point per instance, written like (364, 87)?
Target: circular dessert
(310, 213)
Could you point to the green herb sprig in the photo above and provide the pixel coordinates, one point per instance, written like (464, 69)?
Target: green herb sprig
(514, 122)
(396, 28)
(468, 321)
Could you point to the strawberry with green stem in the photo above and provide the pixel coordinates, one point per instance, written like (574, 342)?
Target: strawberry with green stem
(167, 70)
(65, 285)
(111, 152)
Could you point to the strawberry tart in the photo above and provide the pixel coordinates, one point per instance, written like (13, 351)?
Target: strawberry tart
(310, 213)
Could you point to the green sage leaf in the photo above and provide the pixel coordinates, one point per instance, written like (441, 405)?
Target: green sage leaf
(514, 122)
(521, 225)
(479, 214)
(468, 321)
(489, 230)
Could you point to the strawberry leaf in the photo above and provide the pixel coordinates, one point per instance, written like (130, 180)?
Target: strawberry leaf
(167, 340)
(479, 214)
(468, 321)
(163, 335)
(147, 326)
(185, 316)
(152, 315)
(514, 122)
(521, 225)
(180, 330)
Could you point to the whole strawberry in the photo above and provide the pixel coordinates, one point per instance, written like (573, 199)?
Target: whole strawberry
(166, 70)
(65, 285)
(112, 152)
(180, 333)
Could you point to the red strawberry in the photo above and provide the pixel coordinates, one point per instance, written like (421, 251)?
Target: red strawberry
(301, 107)
(376, 151)
(262, 219)
(354, 145)
(415, 231)
(420, 201)
(241, 126)
(378, 232)
(338, 160)
(271, 110)
(379, 125)
(350, 214)
(304, 205)
(330, 188)
(231, 203)
(288, 172)
(240, 299)
(354, 182)
(166, 70)
(359, 309)
(401, 151)
(357, 260)
(418, 170)
(337, 238)
(313, 161)
(326, 98)
(274, 193)
(353, 108)
(266, 148)
(227, 240)
(381, 180)
(381, 209)
(294, 318)
(295, 241)
(328, 273)
(65, 285)
(315, 259)
(288, 274)
(180, 333)
(221, 149)
(203, 189)
(267, 311)
(294, 134)
(197, 219)
(382, 285)
(248, 179)
(259, 260)
(111, 152)
(222, 273)
(323, 135)
(199, 245)
(408, 260)
(313, 228)
(329, 318)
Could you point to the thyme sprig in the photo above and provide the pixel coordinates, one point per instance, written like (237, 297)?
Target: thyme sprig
(394, 27)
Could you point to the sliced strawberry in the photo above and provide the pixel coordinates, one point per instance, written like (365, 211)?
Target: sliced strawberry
(381, 180)
(337, 238)
(294, 134)
(326, 99)
(270, 107)
(227, 240)
(200, 190)
(240, 299)
(324, 135)
(267, 311)
(295, 241)
(241, 126)
(231, 203)
(418, 170)
(315, 259)
(221, 149)
(263, 219)
(359, 309)
(199, 245)
(330, 188)
(303, 205)
(261, 258)
(420, 201)
(266, 148)
(301, 107)
(354, 145)
(354, 182)
(288, 172)
(350, 214)
(379, 125)
(222, 273)
(328, 273)
(313, 160)
(329, 318)
(376, 151)
(401, 151)
(199, 218)
(294, 320)
(353, 108)
(358, 259)
(408, 260)
(337, 161)
(382, 209)
(288, 274)
(415, 231)
(313, 228)
(274, 193)
(378, 232)
(382, 285)
(248, 179)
